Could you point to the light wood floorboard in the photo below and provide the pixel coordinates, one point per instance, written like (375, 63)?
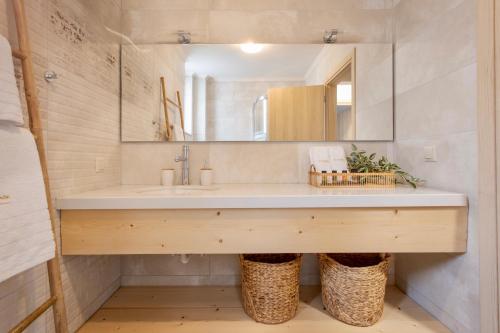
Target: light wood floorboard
(218, 309)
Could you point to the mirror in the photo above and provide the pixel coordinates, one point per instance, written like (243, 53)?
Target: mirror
(257, 92)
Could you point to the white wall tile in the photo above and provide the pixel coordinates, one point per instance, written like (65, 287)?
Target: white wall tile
(434, 43)
(285, 21)
(436, 106)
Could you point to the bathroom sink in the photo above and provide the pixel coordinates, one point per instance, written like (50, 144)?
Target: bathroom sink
(179, 189)
(193, 188)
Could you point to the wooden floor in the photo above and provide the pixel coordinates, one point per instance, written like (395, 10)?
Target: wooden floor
(218, 309)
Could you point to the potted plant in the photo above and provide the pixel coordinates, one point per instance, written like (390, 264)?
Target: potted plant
(359, 162)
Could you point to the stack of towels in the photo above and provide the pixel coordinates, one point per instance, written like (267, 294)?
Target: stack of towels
(27, 238)
(328, 158)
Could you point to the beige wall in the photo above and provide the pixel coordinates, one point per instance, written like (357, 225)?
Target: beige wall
(81, 112)
(436, 105)
(280, 21)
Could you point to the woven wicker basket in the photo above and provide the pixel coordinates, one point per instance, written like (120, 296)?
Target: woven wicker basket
(353, 286)
(270, 286)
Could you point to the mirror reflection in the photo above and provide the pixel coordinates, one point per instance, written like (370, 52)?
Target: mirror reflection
(257, 92)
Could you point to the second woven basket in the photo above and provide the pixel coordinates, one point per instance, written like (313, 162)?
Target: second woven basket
(353, 286)
(270, 286)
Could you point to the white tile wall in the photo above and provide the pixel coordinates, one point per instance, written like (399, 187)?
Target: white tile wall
(224, 21)
(81, 116)
(233, 162)
(436, 106)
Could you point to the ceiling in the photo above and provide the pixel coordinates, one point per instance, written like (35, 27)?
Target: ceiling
(276, 62)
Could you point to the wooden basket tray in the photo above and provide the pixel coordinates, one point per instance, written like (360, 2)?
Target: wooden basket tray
(352, 180)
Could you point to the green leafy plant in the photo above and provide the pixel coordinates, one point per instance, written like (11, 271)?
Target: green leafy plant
(360, 161)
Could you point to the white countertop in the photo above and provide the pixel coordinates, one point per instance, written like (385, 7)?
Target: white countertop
(256, 196)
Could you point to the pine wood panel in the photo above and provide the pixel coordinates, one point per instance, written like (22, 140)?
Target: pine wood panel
(296, 113)
(92, 232)
(168, 297)
(132, 313)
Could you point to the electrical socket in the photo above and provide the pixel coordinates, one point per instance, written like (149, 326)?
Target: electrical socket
(99, 164)
(430, 154)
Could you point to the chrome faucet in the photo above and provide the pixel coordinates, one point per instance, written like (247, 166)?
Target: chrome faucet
(185, 164)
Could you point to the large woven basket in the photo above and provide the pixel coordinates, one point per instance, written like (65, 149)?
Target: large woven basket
(270, 286)
(353, 286)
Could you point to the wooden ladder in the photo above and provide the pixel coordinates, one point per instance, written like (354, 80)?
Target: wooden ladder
(53, 266)
(178, 105)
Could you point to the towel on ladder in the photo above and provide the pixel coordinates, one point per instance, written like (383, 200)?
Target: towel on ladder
(26, 237)
(10, 107)
(26, 234)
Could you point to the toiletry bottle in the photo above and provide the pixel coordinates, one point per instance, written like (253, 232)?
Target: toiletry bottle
(338, 177)
(323, 178)
(329, 179)
(318, 178)
(206, 175)
(344, 176)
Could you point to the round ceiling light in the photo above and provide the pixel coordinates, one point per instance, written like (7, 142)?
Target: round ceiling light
(251, 47)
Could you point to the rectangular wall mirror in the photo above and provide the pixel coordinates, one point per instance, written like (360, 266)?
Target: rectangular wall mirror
(257, 92)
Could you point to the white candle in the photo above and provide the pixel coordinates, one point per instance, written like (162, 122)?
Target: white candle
(167, 177)
(206, 176)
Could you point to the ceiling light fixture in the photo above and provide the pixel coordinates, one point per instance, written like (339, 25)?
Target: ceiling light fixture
(251, 47)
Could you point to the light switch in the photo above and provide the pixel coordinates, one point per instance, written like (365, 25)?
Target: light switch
(99, 164)
(430, 154)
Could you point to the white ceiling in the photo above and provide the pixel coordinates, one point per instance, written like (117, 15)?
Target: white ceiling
(277, 62)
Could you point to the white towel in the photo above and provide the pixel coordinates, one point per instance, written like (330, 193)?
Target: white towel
(27, 238)
(328, 158)
(10, 107)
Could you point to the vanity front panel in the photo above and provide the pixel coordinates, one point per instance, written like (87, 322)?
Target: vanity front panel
(292, 230)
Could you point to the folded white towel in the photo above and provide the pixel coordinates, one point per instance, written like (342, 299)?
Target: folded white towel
(27, 238)
(320, 158)
(328, 158)
(10, 106)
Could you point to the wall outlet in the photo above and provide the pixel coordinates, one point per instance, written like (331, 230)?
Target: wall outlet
(430, 154)
(99, 164)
